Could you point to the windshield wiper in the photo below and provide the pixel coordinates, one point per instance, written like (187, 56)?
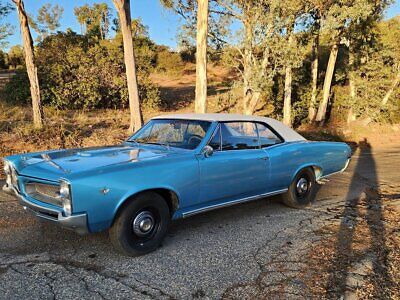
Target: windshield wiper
(166, 145)
(134, 141)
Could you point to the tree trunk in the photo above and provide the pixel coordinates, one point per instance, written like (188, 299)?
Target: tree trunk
(246, 100)
(287, 102)
(390, 91)
(101, 31)
(247, 72)
(350, 113)
(30, 65)
(201, 57)
(352, 87)
(314, 82)
(251, 104)
(327, 84)
(124, 12)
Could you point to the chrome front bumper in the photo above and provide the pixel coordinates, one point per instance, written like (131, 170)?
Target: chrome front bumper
(77, 223)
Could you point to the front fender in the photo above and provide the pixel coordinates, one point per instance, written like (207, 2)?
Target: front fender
(135, 191)
(102, 194)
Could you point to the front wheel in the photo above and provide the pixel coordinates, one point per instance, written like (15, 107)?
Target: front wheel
(302, 190)
(141, 225)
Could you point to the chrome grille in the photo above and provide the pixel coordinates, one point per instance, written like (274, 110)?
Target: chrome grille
(44, 192)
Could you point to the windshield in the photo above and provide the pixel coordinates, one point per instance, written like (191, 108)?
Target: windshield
(185, 134)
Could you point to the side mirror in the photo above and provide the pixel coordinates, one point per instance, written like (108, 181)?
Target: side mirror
(207, 151)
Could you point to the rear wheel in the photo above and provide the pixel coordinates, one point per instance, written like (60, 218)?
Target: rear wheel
(141, 225)
(302, 190)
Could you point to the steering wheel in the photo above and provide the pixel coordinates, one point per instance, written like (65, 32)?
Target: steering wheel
(195, 136)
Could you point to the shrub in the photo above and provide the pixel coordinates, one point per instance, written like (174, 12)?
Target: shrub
(17, 91)
(76, 72)
(169, 62)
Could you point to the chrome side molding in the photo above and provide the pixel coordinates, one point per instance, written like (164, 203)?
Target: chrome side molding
(229, 203)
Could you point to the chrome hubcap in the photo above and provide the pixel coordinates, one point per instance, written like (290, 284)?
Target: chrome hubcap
(302, 186)
(143, 223)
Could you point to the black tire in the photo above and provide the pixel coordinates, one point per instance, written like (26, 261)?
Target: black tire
(302, 190)
(141, 225)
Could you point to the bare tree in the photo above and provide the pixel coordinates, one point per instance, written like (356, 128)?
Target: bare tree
(201, 57)
(30, 64)
(124, 13)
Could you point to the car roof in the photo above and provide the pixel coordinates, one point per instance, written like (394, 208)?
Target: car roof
(287, 133)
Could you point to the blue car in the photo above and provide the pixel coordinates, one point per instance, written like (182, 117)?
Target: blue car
(173, 167)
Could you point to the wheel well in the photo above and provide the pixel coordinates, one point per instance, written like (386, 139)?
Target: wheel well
(170, 197)
(316, 169)
(317, 172)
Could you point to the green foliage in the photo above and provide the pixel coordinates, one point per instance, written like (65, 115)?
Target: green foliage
(47, 20)
(375, 74)
(169, 62)
(188, 54)
(78, 72)
(94, 20)
(16, 57)
(3, 60)
(17, 91)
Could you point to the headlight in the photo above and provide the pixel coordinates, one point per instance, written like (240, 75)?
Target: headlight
(7, 171)
(6, 167)
(14, 177)
(65, 194)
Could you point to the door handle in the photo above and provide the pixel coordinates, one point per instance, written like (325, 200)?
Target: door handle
(264, 158)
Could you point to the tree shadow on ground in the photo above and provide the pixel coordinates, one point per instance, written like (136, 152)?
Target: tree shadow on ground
(365, 205)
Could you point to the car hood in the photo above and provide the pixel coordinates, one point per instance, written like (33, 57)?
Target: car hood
(52, 165)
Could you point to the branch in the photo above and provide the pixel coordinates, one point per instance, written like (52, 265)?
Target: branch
(240, 51)
(232, 12)
(219, 12)
(213, 35)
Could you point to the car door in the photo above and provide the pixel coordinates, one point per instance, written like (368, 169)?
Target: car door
(238, 167)
(281, 157)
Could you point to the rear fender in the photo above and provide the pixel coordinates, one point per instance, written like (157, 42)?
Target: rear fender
(317, 168)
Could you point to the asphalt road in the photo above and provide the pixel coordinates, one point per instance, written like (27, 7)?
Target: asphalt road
(223, 253)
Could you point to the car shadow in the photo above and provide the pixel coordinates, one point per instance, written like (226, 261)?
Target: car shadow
(365, 205)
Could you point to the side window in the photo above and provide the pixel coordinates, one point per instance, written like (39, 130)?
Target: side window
(215, 141)
(239, 136)
(267, 136)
